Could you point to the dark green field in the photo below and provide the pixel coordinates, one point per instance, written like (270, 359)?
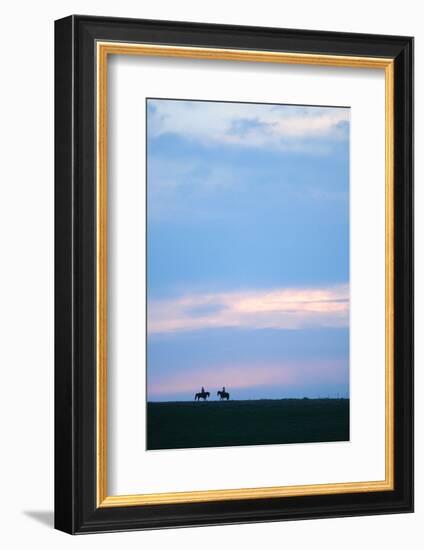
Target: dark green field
(177, 425)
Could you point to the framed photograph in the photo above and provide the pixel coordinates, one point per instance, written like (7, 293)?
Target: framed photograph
(234, 274)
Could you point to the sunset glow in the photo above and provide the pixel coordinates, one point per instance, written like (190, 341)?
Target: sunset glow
(281, 308)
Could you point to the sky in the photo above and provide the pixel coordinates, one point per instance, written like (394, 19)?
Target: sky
(247, 250)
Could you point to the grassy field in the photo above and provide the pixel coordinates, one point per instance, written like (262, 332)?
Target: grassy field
(177, 425)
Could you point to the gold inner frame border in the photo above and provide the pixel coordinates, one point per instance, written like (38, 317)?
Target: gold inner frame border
(103, 50)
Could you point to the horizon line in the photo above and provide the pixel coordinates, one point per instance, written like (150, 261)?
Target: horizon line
(327, 398)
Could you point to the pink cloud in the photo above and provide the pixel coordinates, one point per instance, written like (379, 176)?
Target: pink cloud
(287, 308)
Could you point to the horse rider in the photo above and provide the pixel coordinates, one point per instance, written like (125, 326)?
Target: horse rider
(203, 390)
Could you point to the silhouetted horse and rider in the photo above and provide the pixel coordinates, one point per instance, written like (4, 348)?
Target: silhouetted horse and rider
(223, 394)
(205, 395)
(202, 395)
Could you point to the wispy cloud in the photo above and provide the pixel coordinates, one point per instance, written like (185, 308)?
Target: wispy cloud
(248, 125)
(286, 374)
(287, 308)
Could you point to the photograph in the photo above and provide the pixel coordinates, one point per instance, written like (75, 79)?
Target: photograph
(247, 269)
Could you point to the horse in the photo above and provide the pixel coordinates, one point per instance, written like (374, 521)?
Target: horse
(223, 395)
(201, 395)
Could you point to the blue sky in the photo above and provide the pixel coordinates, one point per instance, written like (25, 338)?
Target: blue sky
(247, 249)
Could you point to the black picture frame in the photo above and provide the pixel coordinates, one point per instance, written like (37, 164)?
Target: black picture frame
(76, 509)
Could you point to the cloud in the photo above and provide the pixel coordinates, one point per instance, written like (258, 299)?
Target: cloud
(286, 308)
(248, 124)
(286, 374)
